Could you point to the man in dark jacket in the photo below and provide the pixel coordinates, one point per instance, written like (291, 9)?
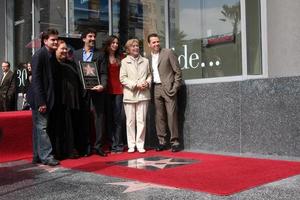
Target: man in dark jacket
(93, 98)
(41, 97)
(7, 88)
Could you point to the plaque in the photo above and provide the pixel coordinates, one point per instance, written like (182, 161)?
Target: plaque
(89, 74)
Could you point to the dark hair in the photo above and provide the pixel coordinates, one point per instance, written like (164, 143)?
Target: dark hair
(107, 44)
(8, 63)
(152, 35)
(60, 41)
(109, 41)
(85, 32)
(46, 34)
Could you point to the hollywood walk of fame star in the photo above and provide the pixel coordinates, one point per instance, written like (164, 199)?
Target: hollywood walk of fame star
(14, 163)
(44, 167)
(89, 71)
(142, 163)
(133, 186)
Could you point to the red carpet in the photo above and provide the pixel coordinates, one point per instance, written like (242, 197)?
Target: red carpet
(15, 135)
(215, 174)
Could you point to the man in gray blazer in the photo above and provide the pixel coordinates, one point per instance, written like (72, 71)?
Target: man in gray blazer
(166, 76)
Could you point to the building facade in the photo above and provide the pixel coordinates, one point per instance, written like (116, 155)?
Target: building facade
(239, 60)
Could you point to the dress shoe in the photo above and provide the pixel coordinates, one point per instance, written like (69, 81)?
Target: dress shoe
(117, 151)
(100, 152)
(175, 148)
(85, 154)
(161, 147)
(73, 156)
(36, 161)
(51, 162)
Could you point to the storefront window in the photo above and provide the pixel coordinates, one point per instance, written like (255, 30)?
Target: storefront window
(2, 27)
(89, 14)
(22, 31)
(137, 19)
(53, 15)
(206, 36)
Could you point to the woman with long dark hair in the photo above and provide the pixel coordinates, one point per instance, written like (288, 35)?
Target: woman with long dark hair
(115, 111)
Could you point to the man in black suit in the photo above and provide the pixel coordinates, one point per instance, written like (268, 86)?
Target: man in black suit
(41, 97)
(93, 98)
(7, 88)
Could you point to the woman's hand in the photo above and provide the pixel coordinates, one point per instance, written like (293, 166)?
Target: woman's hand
(143, 86)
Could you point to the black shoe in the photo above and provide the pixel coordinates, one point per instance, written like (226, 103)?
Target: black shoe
(36, 161)
(175, 148)
(85, 153)
(118, 151)
(100, 152)
(51, 162)
(73, 156)
(161, 147)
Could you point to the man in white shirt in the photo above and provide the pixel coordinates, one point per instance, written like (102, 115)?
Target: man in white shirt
(167, 80)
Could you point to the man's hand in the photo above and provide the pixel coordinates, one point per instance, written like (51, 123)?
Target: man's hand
(42, 109)
(98, 88)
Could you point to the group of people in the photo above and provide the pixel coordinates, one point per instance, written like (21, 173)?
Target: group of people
(13, 86)
(65, 114)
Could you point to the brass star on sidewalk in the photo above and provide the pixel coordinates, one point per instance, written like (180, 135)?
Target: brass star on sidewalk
(133, 186)
(44, 167)
(14, 163)
(143, 163)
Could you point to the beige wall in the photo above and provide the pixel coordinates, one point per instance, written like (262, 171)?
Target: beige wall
(283, 37)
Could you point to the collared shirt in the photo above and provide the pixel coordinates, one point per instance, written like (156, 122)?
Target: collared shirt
(87, 56)
(156, 77)
(3, 77)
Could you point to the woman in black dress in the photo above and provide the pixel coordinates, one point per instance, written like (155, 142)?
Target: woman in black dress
(65, 116)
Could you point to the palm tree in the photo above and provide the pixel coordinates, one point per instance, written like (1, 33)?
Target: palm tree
(178, 38)
(232, 13)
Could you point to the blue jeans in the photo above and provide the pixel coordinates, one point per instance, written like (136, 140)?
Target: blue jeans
(42, 147)
(116, 121)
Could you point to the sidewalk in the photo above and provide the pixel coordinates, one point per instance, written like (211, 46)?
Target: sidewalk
(22, 180)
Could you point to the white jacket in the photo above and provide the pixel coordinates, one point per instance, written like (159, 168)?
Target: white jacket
(134, 71)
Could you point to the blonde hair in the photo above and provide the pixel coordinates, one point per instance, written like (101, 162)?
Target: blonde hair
(130, 43)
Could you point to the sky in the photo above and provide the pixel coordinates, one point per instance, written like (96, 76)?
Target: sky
(197, 22)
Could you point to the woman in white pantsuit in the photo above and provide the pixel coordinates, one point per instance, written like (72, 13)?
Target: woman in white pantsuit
(135, 77)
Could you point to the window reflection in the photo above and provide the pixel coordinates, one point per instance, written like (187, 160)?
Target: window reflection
(206, 35)
(53, 15)
(137, 19)
(22, 31)
(89, 14)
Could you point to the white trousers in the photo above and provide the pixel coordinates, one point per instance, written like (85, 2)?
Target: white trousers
(136, 114)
